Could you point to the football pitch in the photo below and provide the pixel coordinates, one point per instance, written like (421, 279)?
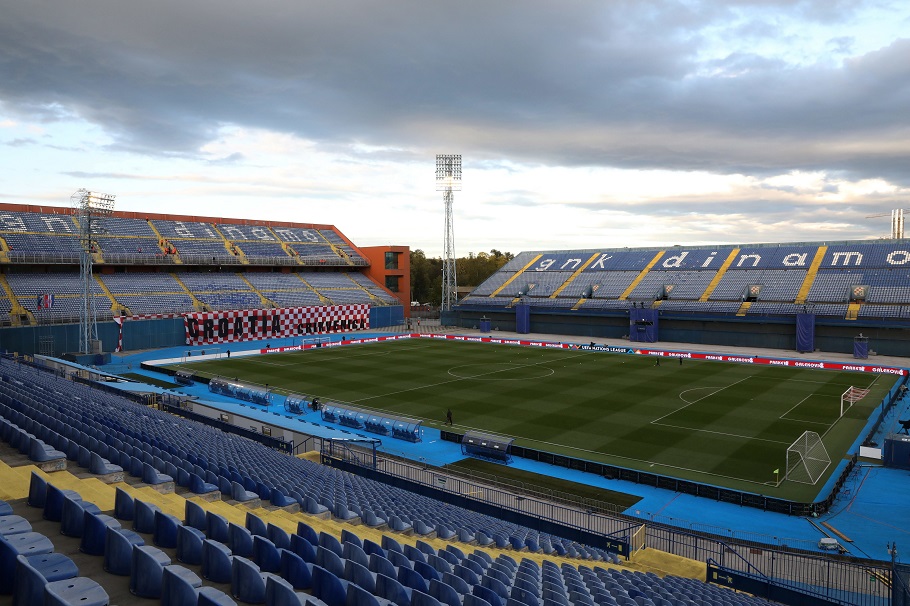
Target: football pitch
(719, 423)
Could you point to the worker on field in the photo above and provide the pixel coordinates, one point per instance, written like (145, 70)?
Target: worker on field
(449, 416)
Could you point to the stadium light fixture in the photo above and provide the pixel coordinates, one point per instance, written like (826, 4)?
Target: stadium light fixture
(448, 180)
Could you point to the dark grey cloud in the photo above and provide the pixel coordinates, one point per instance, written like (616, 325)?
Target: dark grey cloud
(616, 83)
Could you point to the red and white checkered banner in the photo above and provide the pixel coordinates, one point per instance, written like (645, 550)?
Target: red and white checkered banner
(121, 319)
(206, 328)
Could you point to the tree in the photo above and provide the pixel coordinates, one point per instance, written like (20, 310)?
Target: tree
(473, 270)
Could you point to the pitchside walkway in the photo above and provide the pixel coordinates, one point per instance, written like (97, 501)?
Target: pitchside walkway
(871, 511)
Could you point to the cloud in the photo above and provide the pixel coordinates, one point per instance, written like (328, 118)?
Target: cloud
(611, 84)
(21, 142)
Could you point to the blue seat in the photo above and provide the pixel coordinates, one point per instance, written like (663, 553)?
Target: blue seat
(189, 545)
(357, 596)
(216, 527)
(124, 507)
(473, 600)
(307, 532)
(266, 555)
(240, 540)
(371, 519)
(494, 585)
(360, 575)
(179, 586)
(94, 532)
(439, 564)
(350, 551)
(410, 578)
(329, 560)
(398, 559)
(40, 452)
(331, 543)
(474, 566)
(72, 521)
(32, 573)
(146, 571)
(426, 571)
(414, 554)
(247, 581)
(118, 550)
(25, 543)
(102, 467)
(370, 548)
(381, 565)
(165, 534)
(398, 525)
(144, 516)
(471, 577)
(390, 544)
(209, 596)
(195, 516)
(200, 486)
(256, 525)
(278, 535)
(13, 524)
(457, 583)
(241, 494)
(152, 476)
(449, 557)
(136, 467)
(279, 499)
(279, 592)
(328, 587)
(311, 506)
(522, 596)
(303, 548)
(216, 561)
(295, 570)
(53, 502)
(419, 598)
(393, 591)
(422, 528)
(78, 590)
(6, 509)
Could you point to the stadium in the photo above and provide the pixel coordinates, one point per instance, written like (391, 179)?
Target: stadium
(198, 410)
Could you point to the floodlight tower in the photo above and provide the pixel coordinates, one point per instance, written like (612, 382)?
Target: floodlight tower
(448, 180)
(90, 208)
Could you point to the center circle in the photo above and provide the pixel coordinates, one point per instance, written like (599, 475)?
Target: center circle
(500, 371)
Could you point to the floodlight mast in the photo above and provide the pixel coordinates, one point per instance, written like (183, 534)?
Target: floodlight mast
(448, 180)
(90, 208)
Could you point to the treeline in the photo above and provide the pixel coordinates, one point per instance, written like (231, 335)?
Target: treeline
(426, 274)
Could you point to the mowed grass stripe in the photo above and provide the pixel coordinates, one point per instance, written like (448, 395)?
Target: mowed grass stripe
(589, 404)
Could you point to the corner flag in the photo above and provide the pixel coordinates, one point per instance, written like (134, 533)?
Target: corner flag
(776, 470)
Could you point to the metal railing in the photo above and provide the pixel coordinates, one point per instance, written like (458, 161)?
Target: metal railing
(787, 561)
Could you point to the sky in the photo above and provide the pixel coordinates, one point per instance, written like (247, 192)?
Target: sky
(581, 124)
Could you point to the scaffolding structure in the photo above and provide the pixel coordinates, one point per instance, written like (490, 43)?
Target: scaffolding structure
(448, 180)
(90, 209)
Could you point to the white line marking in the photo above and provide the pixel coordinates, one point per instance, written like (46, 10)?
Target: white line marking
(718, 390)
(721, 433)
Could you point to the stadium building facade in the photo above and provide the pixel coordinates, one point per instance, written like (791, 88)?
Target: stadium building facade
(743, 295)
(159, 267)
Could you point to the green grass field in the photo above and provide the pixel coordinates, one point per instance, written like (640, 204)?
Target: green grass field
(719, 423)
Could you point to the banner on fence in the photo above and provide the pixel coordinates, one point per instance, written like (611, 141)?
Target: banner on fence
(206, 328)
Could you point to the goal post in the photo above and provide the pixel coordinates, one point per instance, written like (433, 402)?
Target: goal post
(807, 459)
(850, 397)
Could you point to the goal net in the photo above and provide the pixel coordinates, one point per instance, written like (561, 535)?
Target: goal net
(850, 397)
(807, 459)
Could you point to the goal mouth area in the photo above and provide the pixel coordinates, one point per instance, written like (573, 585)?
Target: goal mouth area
(850, 397)
(807, 459)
